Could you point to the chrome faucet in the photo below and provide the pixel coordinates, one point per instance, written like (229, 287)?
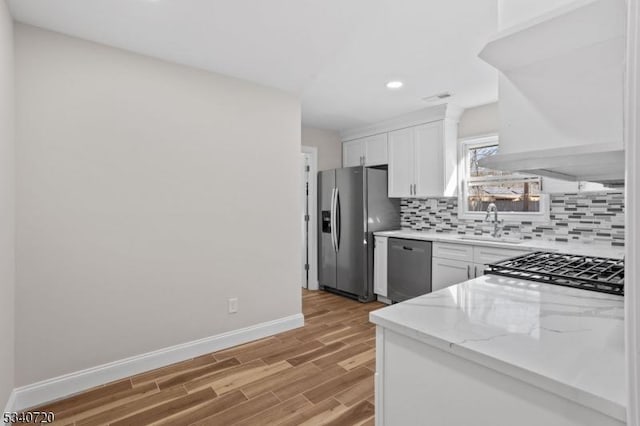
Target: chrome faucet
(497, 230)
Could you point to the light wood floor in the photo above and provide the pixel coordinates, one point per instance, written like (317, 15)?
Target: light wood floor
(321, 373)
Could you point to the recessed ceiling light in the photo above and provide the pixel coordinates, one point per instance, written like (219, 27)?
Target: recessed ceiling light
(394, 84)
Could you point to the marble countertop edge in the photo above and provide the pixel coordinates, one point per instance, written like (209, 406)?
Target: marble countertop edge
(579, 396)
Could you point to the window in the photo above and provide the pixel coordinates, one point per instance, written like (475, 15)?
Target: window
(517, 196)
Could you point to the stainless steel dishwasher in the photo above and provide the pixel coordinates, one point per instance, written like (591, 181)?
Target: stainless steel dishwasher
(409, 269)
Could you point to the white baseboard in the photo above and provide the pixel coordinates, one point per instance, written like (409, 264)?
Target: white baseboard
(11, 403)
(69, 384)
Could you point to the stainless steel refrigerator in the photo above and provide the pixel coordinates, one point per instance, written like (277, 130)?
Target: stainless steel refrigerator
(352, 204)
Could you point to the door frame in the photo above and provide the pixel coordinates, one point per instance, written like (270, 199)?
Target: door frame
(313, 213)
(632, 217)
(632, 257)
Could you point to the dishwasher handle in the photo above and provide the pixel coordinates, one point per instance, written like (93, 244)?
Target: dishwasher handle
(407, 248)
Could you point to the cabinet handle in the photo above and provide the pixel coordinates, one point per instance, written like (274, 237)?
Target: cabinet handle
(468, 271)
(475, 269)
(414, 189)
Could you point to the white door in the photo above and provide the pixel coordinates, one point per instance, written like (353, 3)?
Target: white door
(429, 158)
(401, 163)
(352, 153)
(375, 150)
(447, 272)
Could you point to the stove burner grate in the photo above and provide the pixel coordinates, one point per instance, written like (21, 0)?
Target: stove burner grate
(587, 272)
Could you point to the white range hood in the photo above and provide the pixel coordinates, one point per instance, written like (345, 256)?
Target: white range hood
(592, 163)
(561, 93)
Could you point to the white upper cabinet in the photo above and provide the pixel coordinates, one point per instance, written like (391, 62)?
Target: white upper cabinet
(422, 161)
(376, 150)
(352, 153)
(401, 155)
(367, 151)
(429, 160)
(420, 149)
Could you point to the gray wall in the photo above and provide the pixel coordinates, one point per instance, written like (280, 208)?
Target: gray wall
(328, 144)
(7, 228)
(149, 193)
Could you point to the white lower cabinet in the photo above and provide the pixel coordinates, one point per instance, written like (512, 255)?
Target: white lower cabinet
(455, 263)
(484, 255)
(380, 266)
(478, 269)
(446, 272)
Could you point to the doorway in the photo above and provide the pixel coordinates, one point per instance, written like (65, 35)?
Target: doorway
(308, 219)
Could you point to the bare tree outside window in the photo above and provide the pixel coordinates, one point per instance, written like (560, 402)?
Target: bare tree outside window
(510, 192)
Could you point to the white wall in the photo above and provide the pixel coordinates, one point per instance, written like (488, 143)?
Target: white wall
(148, 194)
(328, 144)
(7, 229)
(514, 12)
(632, 228)
(478, 121)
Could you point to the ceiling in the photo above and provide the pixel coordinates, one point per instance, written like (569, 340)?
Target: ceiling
(336, 55)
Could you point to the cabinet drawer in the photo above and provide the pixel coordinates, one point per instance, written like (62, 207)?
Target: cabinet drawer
(453, 251)
(484, 255)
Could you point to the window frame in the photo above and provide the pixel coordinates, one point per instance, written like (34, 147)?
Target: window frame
(463, 178)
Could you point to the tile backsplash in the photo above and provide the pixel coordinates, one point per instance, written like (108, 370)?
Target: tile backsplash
(588, 217)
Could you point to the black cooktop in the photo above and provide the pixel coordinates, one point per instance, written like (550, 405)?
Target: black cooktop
(586, 272)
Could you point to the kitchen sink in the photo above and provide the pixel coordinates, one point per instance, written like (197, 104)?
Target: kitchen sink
(491, 239)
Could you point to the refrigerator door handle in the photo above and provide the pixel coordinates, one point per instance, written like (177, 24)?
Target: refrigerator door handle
(337, 209)
(333, 219)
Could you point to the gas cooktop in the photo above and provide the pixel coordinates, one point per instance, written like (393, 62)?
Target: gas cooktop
(586, 272)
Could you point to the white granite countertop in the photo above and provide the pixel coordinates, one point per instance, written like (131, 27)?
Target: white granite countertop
(567, 341)
(599, 250)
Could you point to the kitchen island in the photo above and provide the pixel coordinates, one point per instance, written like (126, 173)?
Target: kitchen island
(499, 351)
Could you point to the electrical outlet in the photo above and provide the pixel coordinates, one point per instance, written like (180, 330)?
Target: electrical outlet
(233, 305)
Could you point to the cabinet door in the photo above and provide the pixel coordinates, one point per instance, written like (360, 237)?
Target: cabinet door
(429, 160)
(401, 163)
(380, 267)
(352, 153)
(375, 150)
(448, 272)
(478, 269)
